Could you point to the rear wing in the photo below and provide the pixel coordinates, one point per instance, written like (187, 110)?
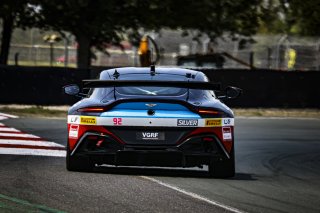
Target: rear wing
(127, 83)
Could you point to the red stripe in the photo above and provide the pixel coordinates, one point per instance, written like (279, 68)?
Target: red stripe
(3, 127)
(31, 147)
(21, 138)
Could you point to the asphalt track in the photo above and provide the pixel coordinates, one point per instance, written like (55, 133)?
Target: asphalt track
(277, 170)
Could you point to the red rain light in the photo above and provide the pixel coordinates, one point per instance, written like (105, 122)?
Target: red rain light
(92, 137)
(207, 139)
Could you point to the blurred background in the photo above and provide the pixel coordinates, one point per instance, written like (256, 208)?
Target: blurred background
(268, 51)
(67, 41)
(269, 34)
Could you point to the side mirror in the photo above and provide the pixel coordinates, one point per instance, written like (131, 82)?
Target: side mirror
(71, 89)
(233, 92)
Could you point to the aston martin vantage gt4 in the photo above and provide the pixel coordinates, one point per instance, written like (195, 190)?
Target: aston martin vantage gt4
(168, 117)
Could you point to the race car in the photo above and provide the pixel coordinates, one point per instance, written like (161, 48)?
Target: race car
(151, 116)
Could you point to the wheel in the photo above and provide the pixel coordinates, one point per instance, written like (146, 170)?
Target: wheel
(79, 163)
(223, 168)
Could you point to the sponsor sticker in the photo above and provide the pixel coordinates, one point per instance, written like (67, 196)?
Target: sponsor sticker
(227, 121)
(226, 133)
(150, 135)
(73, 131)
(74, 119)
(213, 122)
(88, 120)
(187, 122)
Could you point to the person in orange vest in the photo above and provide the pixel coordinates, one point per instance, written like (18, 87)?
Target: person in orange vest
(144, 52)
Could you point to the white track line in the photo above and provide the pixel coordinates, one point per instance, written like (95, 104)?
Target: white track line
(3, 118)
(8, 129)
(18, 135)
(30, 143)
(193, 195)
(1, 124)
(8, 115)
(38, 152)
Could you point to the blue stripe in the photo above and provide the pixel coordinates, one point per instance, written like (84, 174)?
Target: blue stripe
(143, 105)
(144, 114)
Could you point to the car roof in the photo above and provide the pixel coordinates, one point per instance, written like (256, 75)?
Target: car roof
(174, 71)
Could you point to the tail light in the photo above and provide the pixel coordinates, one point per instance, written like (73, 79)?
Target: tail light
(92, 109)
(210, 113)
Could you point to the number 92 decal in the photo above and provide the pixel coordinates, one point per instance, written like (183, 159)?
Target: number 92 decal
(117, 121)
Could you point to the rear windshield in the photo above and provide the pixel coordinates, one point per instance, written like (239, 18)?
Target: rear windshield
(152, 91)
(163, 91)
(143, 90)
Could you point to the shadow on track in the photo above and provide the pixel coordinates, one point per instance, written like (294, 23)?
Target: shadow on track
(169, 172)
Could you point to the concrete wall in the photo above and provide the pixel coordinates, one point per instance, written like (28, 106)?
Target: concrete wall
(261, 88)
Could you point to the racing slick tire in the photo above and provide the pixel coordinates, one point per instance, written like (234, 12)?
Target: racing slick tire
(223, 168)
(78, 163)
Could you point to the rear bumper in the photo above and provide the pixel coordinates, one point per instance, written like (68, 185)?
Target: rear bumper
(192, 152)
(151, 158)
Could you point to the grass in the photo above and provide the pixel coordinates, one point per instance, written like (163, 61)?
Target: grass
(61, 111)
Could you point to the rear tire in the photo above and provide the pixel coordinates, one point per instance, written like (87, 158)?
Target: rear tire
(79, 163)
(223, 168)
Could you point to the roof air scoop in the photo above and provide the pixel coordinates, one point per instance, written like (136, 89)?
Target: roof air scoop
(116, 74)
(189, 75)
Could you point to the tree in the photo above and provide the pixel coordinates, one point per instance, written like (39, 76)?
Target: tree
(302, 17)
(290, 17)
(271, 18)
(98, 22)
(13, 13)
(92, 22)
(214, 18)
